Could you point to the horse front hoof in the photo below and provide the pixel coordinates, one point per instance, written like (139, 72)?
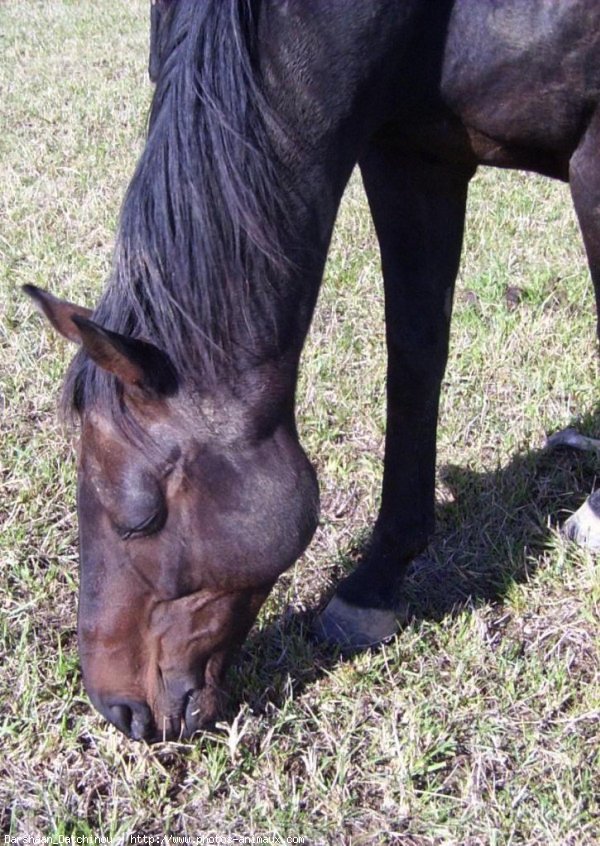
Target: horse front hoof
(352, 628)
(572, 439)
(583, 527)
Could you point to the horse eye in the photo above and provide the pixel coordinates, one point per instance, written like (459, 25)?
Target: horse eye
(150, 526)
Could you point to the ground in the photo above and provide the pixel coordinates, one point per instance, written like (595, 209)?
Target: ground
(478, 724)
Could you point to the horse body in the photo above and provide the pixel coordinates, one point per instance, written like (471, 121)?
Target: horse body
(194, 493)
(524, 77)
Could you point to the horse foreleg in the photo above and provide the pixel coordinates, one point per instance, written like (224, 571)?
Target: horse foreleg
(584, 178)
(418, 209)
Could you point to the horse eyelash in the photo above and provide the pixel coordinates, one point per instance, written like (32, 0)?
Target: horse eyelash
(142, 528)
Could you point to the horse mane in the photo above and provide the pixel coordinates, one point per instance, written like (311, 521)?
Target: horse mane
(199, 260)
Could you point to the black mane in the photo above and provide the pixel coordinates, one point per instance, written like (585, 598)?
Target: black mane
(200, 253)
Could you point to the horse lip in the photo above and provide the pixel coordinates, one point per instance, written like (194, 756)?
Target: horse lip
(139, 729)
(191, 712)
(193, 718)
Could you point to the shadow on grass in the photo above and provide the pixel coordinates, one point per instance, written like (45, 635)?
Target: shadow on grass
(494, 530)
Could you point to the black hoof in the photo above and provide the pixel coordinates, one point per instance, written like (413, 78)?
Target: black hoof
(352, 628)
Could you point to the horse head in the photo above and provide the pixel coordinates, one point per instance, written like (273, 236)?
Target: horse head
(190, 505)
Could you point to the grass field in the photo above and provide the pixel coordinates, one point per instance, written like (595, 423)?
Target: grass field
(479, 723)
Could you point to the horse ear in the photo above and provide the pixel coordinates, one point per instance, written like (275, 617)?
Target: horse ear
(139, 365)
(60, 313)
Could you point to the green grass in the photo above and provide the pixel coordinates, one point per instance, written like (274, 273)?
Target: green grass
(479, 723)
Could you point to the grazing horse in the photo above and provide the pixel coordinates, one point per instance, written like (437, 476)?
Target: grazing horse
(194, 493)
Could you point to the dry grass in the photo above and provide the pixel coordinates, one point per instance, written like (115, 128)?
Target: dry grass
(479, 724)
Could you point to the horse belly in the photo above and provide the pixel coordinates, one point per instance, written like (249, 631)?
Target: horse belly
(523, 76)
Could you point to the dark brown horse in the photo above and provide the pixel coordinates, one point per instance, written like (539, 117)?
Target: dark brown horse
(194, 493)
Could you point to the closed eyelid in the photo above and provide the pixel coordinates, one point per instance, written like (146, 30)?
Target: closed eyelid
(150, 526)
